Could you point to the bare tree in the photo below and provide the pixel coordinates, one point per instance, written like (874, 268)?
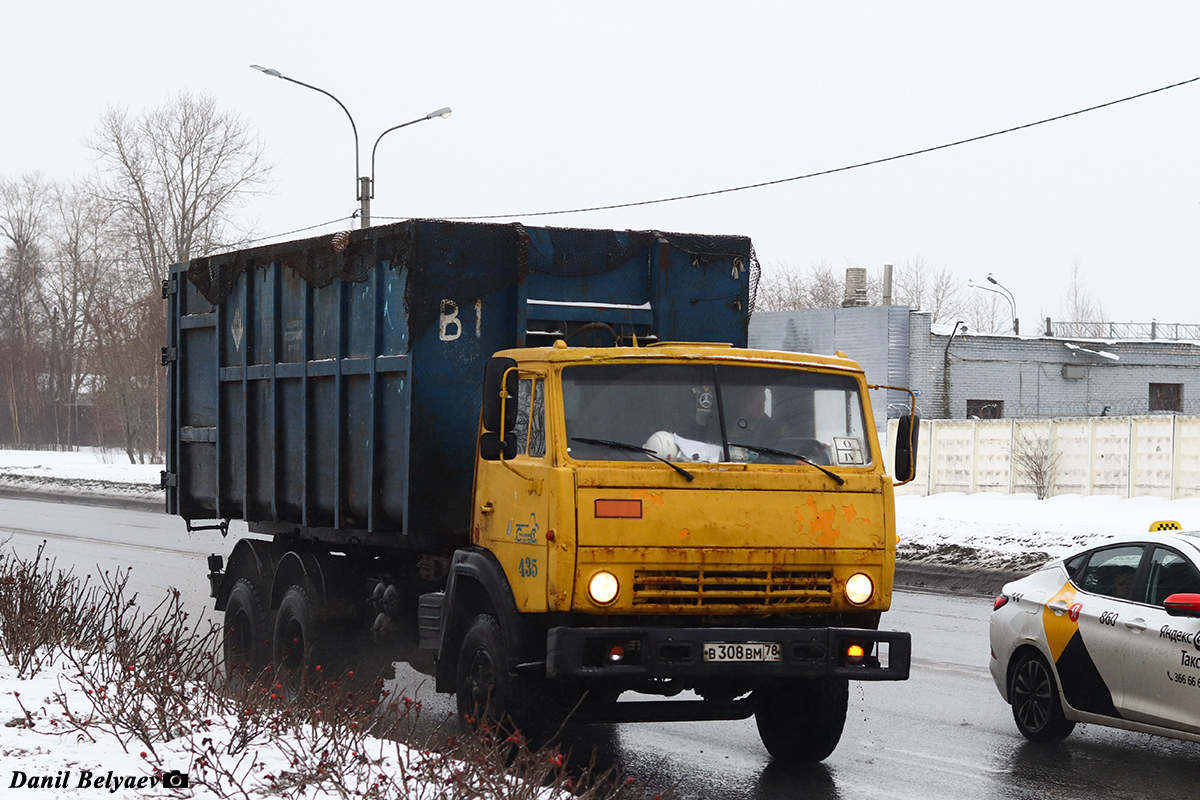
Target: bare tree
(83, 253)
(936, 291)
(1037, 461)
(176, 174)
(781, 288)
(826, 286)
(23, 207)
(784, 288)
(1082, 307)
(125, 319)
(174, 177)
(987, 312)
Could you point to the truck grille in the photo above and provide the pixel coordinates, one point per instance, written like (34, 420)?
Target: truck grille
(726, 587)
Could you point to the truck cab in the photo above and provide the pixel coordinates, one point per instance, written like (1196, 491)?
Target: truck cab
(670, 518)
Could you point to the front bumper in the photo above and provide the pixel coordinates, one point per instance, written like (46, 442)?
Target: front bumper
(679, 653)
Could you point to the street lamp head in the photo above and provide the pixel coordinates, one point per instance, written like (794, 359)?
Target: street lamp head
(992, 279)
(441, 112)
(264, 70)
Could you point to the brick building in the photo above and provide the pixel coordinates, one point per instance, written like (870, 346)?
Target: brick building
(963, 375)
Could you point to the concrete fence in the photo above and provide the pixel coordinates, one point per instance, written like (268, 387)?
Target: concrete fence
(1157, 455)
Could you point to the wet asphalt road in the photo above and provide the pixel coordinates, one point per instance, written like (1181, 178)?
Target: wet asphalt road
(945, 733)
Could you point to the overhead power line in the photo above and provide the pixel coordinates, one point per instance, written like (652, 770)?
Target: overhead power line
(859, 165)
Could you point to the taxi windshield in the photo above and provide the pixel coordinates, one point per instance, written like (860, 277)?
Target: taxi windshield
(713, 413)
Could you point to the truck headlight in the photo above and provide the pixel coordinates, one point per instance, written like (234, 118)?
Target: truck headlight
(603, 588)
(859, 588)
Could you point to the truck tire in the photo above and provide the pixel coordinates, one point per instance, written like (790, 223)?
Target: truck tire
(307, 643)
(246, 644)
(487, 690)
(801, 721)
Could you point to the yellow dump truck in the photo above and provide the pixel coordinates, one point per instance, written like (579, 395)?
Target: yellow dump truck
(589, 521)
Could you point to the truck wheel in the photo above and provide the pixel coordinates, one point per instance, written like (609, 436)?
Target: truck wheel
(485, 687)
(801, 721)
(1035, 705)
(306, 644)
(246, 644)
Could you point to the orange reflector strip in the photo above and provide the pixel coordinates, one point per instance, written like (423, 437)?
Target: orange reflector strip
(619, 509)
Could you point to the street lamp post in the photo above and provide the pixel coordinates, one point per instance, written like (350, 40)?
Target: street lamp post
(1006, 294)
(364, 185)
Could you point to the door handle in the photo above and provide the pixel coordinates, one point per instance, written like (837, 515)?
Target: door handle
(1138, 624)
(487, 508)
(1059, 607)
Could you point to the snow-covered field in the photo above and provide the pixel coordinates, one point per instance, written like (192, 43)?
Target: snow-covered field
(1019, 532)
(968, 532)
(89, 473)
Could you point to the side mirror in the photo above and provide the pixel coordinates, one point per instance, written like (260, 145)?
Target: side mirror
(490, 448)
(493, 376)
(1183, 604)
(907, 436)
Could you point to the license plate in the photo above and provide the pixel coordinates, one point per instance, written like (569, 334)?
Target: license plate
(742, 651)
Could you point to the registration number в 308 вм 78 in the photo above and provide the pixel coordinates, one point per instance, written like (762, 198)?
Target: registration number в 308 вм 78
(742, 651)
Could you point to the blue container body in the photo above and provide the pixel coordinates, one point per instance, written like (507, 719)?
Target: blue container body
(331, 387)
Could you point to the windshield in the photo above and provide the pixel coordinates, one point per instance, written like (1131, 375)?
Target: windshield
(713, 413)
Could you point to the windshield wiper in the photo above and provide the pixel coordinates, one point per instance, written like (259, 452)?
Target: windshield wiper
(772, 451)
(633, 448)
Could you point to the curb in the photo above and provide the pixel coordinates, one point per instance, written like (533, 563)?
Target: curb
(952, 580)
(131, 503)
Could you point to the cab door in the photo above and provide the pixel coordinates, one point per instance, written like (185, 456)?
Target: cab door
(512, 507)
(1091, 664)
(1162, 652)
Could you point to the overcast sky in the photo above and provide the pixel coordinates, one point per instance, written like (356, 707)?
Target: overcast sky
(571, 104)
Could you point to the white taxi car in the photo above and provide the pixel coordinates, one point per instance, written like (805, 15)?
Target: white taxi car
(1109, 636)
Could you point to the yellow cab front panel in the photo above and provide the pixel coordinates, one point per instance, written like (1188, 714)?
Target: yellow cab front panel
(743, 541)
(707, 480)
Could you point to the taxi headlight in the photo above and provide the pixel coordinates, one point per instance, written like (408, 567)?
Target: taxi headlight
(603, 588)
(859, 588)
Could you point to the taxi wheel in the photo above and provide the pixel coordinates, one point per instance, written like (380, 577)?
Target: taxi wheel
(801, 721)
(1035, 704)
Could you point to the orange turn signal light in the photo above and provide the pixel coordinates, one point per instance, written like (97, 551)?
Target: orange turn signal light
(855, 654)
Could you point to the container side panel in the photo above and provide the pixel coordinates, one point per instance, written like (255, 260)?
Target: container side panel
(326, 323)
(198, 462)
(323, 455)
(232, 433)
(260, 446)
(360, 321)
(293, 298)
(198, 407)
(394, 331)
(260, 324)
(290, 399)
(391, 451)
(356, 439)
(701, 299)
(461, 299)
